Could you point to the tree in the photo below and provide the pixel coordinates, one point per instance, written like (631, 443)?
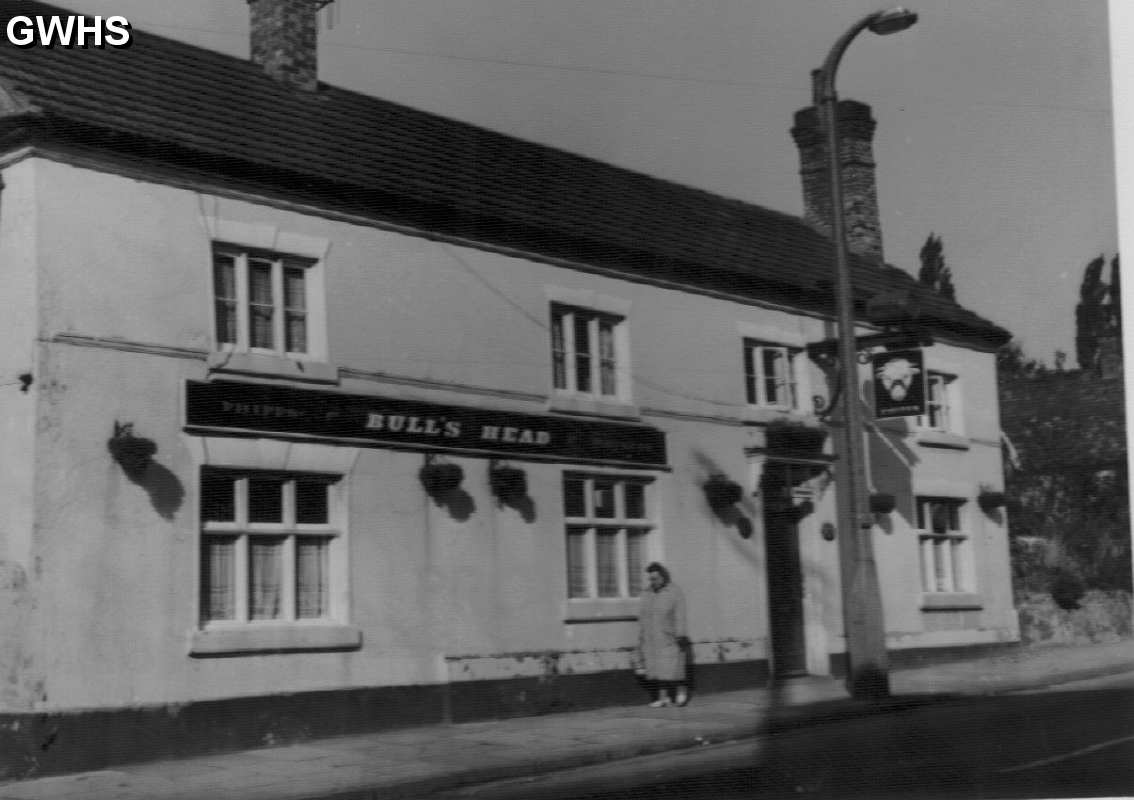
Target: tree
(934, 273)
(1116, 308)
(1090, 315)
(1098, 319)
(1071, 531)
(1012, 363)
(1115, 294)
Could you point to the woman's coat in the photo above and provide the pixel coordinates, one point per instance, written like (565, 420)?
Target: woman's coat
(661, 621)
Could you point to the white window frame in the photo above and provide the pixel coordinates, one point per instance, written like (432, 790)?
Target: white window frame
(563, 318)
(755, 379)
(315, 320)
(242, 532)
(945, 556)
(644, 526)
(943, 404)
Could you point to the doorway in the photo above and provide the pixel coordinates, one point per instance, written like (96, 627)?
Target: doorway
(784, 567)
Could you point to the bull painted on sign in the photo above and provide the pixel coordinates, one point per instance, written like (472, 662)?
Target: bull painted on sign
(897, 376)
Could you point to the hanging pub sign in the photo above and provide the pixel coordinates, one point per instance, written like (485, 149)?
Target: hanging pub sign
(899, 384)
(242, 408)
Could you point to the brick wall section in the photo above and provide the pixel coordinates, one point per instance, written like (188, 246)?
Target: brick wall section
(860, 195)
(285, 40)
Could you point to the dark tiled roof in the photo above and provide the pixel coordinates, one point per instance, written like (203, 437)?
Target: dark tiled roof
(179, 107)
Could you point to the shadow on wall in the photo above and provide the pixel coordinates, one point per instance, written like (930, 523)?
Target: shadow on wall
(459, 504)
(726, 499)
(735, 518)
(509, 485)
(135, 455)
(890, 460)
(523, 506)
(441, 480)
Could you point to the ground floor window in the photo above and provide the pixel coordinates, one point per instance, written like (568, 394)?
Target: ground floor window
(266, 545)
(608, 525)
(944, 545)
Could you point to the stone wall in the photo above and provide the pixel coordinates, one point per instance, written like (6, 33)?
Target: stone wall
(1101, 617)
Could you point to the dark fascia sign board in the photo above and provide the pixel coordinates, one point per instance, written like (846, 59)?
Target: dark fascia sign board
(243, 408)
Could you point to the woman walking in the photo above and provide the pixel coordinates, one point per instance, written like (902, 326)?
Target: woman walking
(662, 640)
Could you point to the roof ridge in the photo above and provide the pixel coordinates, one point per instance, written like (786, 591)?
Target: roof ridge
(335, 89)
(325, 89)
(182, 106)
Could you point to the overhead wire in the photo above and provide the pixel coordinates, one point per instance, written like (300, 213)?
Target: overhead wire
(660, 76)
(545, 327)
(653, 385)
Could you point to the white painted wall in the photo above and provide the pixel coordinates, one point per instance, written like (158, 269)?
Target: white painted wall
(907, 463)
(17, 423)
(117, 584)
(18, 227)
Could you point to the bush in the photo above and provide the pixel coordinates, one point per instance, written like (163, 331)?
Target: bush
(1030, 572)
(1077, 523)
(1067, 589)
(1102, 617)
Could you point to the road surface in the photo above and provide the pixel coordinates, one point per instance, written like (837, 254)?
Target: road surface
(1075, 740)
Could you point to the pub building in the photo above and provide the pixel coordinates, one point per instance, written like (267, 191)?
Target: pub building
(323, 414)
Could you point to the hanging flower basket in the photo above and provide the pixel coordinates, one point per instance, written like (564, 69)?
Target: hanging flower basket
(882, 503)
(509, 484)
(133, 453)
(795, 439)
(990, 501)
(721, 492)
(441, 478)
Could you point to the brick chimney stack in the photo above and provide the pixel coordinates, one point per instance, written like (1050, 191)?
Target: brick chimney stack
(285, 40)
(860, 195)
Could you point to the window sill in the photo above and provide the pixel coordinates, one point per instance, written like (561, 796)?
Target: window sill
(612, 609)
(273, 639)
(573, 404)
(273, 366)
(950, 441)
(951, 601)
(762, 415)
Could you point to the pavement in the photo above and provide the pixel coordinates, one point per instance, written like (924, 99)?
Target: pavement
(416, 762)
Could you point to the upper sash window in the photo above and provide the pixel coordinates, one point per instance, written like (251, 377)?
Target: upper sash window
(262, 302)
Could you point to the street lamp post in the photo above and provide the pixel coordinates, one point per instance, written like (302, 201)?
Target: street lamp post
(867, 667)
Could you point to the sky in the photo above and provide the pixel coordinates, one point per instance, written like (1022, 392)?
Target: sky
(994, 116)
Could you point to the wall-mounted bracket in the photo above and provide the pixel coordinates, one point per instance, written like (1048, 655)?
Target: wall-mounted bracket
(891, 340)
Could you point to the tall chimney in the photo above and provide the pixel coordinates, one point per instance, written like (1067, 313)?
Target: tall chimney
(856, 155)
(285, 40)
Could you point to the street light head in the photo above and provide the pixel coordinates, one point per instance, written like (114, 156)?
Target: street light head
(892, 21)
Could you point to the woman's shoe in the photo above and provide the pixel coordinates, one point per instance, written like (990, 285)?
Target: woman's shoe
(661, 702)
(682, 697)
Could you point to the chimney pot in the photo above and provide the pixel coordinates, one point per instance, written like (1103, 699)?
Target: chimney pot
(284, 40)
(856, 156)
